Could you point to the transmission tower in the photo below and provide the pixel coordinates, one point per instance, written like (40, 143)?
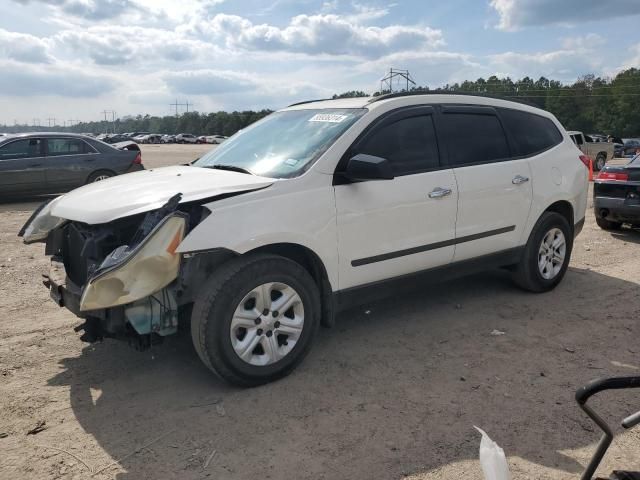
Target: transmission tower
(400, 77)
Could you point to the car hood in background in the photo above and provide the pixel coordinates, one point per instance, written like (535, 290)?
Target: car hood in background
(139, 192)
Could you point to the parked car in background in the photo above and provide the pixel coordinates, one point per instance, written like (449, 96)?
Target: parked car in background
(201, 139)
(186, 138)
(116, 138)
(630, 147)
(216, 139)
(38, 163)
(599, 152)
(168, 139)
(371, 196)
(616, 195)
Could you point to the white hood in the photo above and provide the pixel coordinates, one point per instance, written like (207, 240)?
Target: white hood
(138, 192)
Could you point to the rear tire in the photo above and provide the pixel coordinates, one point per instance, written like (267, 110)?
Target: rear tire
(248, 351)
(601, 161)
(547, 254)
(100, 175)
(605, 224)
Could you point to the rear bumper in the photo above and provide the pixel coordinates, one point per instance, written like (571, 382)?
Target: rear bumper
(617, 209)
(135, 167)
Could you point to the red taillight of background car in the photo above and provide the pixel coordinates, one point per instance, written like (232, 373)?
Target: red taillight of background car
(623, 177)
(586, 160)
(138, 159)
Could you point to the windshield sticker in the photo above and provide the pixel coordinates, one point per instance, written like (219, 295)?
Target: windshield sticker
(327, 117)
(292, 162)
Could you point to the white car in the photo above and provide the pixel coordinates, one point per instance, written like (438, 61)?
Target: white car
(216, 139)
(186, 138)
(314, 208)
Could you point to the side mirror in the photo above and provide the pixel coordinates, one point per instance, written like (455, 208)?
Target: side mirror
(364, 167)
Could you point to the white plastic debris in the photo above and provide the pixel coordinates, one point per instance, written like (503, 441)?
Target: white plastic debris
(497, 333)
(492, 459)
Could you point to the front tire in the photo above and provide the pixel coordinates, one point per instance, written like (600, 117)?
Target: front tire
(546, 255)
(255, 319)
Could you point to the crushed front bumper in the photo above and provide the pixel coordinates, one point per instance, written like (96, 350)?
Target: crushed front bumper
(62, 290)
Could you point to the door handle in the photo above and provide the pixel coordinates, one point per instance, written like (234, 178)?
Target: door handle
(519, 179)
(439, 192)
(35, 165)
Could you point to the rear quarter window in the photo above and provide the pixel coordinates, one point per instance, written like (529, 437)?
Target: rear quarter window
(531, 133)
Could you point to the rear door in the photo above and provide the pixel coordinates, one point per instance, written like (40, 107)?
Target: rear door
(495, 191)
(70, 161)
(388, 228)
(22, 167)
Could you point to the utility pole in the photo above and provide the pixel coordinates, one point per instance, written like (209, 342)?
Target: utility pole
(113, 119)
(36, 122)
(50, 119)
(394, 73)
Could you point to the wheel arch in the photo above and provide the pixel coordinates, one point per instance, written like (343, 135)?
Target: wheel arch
(313, 264)
(100, 170)
(564, 208)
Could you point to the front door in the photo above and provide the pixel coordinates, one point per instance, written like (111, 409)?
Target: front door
(388, 228)
(22, 167)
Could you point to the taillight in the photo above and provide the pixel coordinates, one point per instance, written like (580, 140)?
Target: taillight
(623, 177)
(138, 159)
(586, 160)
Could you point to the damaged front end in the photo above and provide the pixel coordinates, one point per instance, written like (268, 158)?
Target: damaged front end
(121, 277)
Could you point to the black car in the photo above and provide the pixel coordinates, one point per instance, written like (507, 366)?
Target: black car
(616, 195)
(37, 163)
(117, 138)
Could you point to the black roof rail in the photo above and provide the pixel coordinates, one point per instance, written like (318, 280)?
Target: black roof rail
(513, 98)
(310, 101)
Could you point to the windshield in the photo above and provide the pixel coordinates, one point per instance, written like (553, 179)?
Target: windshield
(283, 144)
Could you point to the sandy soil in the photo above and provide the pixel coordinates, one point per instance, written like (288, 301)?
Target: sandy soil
(392, 391)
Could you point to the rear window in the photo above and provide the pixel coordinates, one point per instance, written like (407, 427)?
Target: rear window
(66, 146)
(531, 133)
(474, 138)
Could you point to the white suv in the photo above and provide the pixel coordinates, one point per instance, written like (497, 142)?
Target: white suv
(309, 210)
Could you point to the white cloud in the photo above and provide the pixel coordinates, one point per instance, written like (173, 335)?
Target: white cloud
(316, 34)
(28, 80)
(94, 10)
(23, 47)
(515, 14)
(115, 45)
(209, 82)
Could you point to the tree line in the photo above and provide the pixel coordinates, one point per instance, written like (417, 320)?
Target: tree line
(591, 104)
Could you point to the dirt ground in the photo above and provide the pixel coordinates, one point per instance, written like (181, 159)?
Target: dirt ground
(392, 391)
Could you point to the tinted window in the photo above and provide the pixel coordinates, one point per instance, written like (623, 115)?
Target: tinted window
(531, 133)
(26, 148)
(474, 138)
(65, 146)
(409, 144)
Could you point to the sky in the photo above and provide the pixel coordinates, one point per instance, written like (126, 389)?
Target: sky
(74, 59)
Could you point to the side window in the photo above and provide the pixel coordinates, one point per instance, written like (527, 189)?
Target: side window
(65, 146)
(409, 144)
(27, 148)
(474, 138)
(531, 133)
